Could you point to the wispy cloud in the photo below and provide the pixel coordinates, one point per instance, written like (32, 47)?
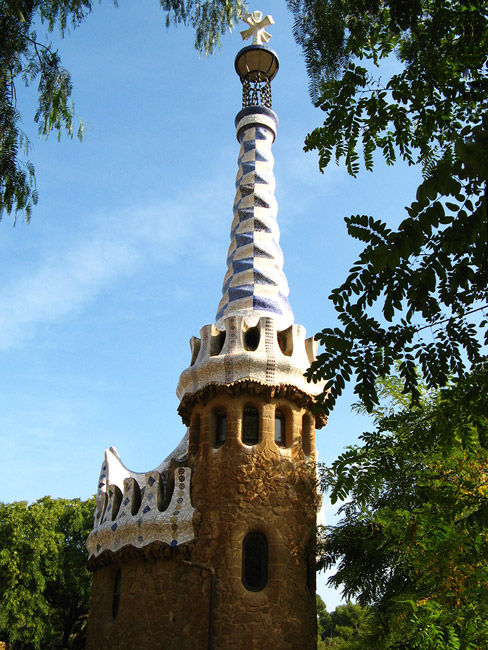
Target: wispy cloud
(62, 283)
(69, 276)
(72, 270)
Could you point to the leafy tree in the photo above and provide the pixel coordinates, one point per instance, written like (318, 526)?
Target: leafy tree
(412, 541)
(416, 293)
(324, 623)
(24, 58)
(342, 629)
(44, 583)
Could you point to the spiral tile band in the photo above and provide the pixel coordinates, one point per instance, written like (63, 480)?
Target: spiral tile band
(255, 284)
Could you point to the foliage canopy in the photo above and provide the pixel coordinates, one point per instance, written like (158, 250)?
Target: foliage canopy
(343, 629)
(23, 58)
(412, 540)
(44, 583)
(416, 293)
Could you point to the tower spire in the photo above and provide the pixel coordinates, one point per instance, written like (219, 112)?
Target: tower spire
(255, 284)
(254, 338)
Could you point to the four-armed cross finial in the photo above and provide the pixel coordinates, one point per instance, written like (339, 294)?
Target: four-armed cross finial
(257, 27)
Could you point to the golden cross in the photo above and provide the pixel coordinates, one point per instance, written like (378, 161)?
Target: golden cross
(257, 27)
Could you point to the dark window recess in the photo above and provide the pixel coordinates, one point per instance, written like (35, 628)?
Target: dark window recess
(251, 339)
(116, 494)
(217, 343)
(254, 561)
(250, 426)
(116, 596)
(220, 429)
(280, 428)
(285, 341)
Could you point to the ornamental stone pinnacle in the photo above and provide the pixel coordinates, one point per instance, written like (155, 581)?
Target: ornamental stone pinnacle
(257, 27)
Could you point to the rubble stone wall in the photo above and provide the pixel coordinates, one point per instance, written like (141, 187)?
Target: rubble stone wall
(163, 605)
(261, 488)
(236, 489)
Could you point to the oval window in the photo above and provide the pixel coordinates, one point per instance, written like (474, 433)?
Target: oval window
(254, 561)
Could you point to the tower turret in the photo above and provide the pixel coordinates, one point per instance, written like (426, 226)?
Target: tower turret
(215, 547)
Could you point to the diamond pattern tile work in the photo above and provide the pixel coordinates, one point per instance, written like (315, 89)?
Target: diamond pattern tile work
(255, 284)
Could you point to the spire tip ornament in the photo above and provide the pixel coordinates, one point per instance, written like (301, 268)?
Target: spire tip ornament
(257, 27)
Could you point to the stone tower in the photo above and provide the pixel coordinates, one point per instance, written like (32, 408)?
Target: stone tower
(215, 547)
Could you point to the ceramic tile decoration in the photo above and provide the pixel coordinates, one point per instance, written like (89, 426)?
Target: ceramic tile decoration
(255, 284)
(136, 509)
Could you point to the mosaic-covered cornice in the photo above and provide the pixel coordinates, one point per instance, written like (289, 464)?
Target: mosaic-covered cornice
(135, 510)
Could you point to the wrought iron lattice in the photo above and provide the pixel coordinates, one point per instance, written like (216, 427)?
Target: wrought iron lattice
(256, 92)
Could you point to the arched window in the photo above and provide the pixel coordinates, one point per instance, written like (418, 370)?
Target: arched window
(250, 426)
(115, 494)
(116, 594)
(220, 428)
(280, 433)
(254, 561)
(251, 339)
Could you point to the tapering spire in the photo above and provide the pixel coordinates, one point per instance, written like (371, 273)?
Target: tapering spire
(255, 284)
(254, 341)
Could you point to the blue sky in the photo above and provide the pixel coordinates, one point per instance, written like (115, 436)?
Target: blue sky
(125, 256)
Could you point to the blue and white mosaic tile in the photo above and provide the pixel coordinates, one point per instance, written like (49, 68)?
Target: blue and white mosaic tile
(255, 284)
(129, 505)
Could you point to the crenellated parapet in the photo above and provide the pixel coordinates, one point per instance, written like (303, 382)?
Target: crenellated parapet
(135, 509)
(257, 352)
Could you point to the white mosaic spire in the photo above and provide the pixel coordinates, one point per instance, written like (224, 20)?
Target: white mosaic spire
(255, 284)
(254, 339)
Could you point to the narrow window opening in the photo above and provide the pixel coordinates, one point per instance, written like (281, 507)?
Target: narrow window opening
(220, 428)
(160, 493)
(116, 594)
(166, 488)
(307, 434)
(250, 426)
(280, 432)
(254, 561)
(136, 498)
(116, 497)
(251, 339)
